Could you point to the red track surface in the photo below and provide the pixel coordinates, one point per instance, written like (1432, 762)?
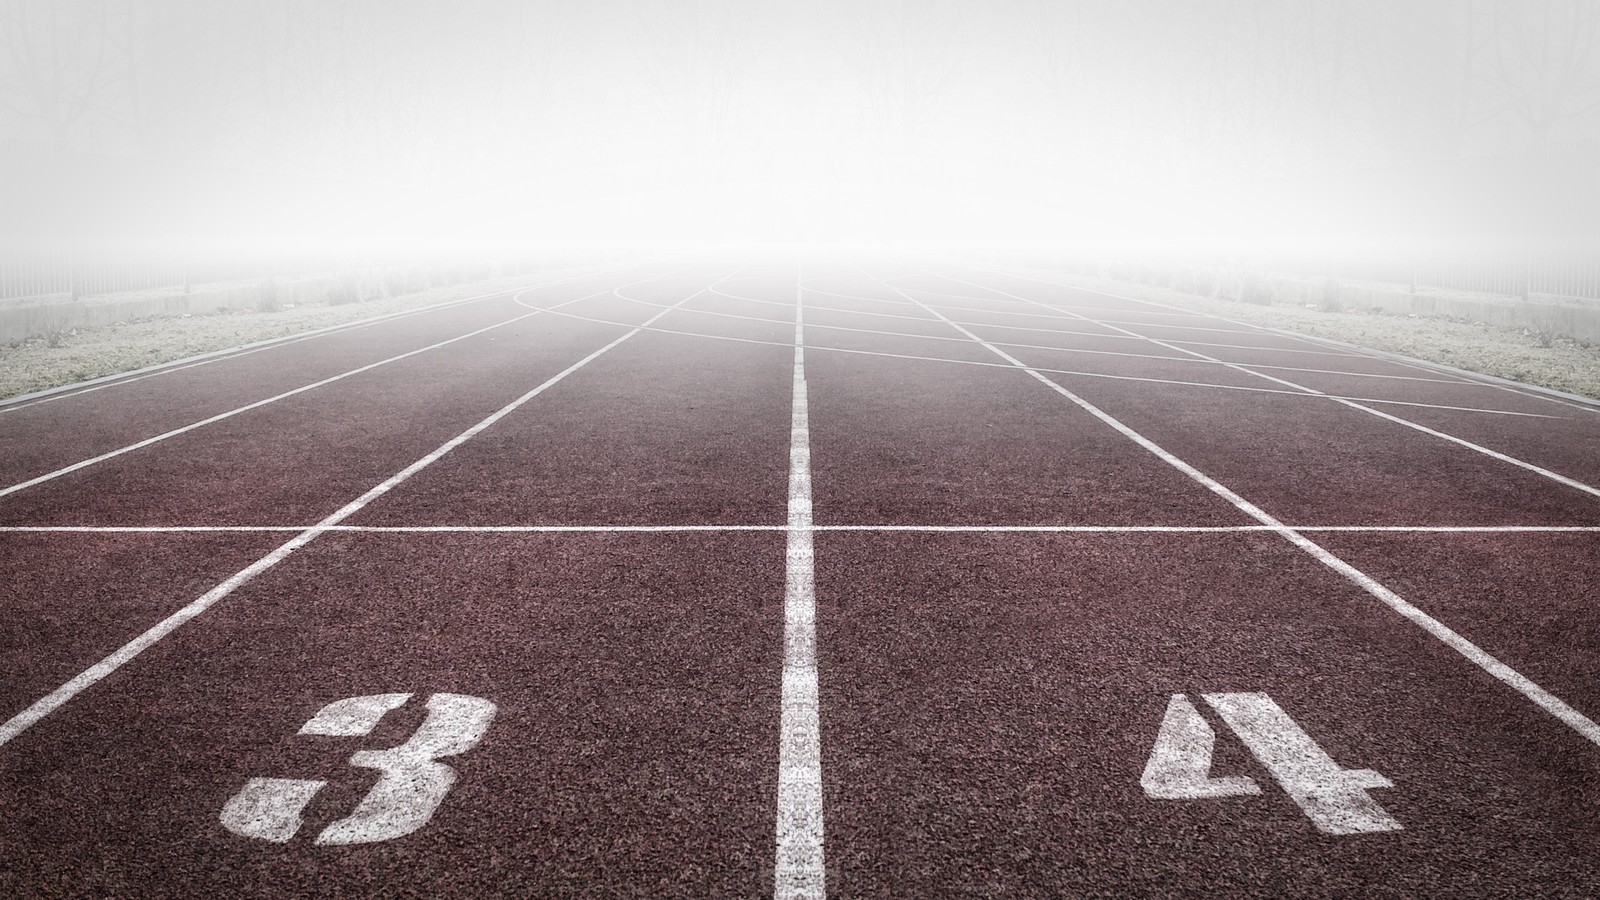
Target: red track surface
(988, 699)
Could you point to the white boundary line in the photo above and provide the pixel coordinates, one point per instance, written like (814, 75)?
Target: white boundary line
(815, 527)
(1189, 358)
(89, 677)
(799, 872)
(1345, 401)
(1340, 353)
(184, 429)
(1009, 312)
(1537, 392)
(62, 392)
(653, 529)
(1133, 378)
(1542, 698)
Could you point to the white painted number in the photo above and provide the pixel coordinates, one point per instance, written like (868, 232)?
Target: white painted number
(1180, 765)
(412, 786)
(1334, 799)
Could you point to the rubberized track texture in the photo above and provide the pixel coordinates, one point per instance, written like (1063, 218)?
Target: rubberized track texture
(798, 578)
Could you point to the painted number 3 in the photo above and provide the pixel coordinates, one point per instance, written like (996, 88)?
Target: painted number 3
(411, 787)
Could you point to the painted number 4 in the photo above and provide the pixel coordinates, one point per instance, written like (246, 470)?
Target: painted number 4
(412, 785)
(1334, 799)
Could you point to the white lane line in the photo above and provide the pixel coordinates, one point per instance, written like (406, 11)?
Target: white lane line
(1343, 354)
(1359, 404)
(1222, 529)
(1325, 348)
(1466, 377)
(1133, 378)
(799, 872)
(997, 300)
(1545, 700)
(1121, 337)
(177, 365)
(815, 307)
(817, 291)
(61, 695)
(377, 529)
(1076, 315)
(184, 429)
(1187, 358)
(1244, 327)
(647, 529)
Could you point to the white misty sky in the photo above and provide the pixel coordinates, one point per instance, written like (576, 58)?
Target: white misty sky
(1014, 120)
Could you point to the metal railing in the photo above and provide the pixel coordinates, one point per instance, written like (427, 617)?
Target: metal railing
(42, 278)
(58, 276)
(1575, 276)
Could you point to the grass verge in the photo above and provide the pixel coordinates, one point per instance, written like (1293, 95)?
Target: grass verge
(1519, 355)
(78, 356)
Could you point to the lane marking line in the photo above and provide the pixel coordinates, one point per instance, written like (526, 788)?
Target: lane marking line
(651, 529)
(1343, 354)
(1132, 378)
(1325, 347)
(1248, 326)
(1188, 358)
(89, 677)
(212, 420)
(1358, 404)
(23, 401)
(1059, 309)
(799, 872)
(1542, 698)
(801, 286)
(1537, 392)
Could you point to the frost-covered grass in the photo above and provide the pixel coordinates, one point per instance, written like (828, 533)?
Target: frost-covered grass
(39, 364)
(1523, 356)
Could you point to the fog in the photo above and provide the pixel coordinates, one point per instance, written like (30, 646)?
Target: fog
(1217, 126)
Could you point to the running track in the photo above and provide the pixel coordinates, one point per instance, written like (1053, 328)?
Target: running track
(743, 577)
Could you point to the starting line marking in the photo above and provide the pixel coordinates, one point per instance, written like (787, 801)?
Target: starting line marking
(658, 529)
